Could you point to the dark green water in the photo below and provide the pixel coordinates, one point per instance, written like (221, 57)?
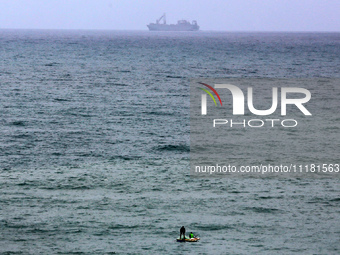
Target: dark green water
(94, 146)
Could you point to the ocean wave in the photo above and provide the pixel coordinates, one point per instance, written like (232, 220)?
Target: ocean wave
(160, 113)
(124, 157)
(52, 64)
(175, 76)
(212, 227)
(61, 100)
(261, 209)
(19, 123)
(170, 147)
(120, 226)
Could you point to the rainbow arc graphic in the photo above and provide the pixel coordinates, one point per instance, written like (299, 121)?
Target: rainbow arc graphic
(209, 93)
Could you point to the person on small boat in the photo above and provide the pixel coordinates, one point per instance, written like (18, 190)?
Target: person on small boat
(182, 231)
(191, 235)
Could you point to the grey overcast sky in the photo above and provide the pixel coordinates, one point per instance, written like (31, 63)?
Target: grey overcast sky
(223, 15)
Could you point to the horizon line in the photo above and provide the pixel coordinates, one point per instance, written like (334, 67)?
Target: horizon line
(169, 32)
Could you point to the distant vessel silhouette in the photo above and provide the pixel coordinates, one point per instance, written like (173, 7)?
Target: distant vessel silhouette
(182, 25)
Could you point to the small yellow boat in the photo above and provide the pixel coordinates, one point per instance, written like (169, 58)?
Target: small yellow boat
(194, 239)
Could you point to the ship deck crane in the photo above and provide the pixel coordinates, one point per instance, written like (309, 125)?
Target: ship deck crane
(162, 17)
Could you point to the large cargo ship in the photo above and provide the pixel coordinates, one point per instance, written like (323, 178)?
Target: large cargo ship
(182, 25)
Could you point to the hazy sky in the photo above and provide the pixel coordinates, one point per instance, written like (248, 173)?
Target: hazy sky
(227, 15)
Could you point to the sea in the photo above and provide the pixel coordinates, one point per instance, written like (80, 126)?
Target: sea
(95, 145)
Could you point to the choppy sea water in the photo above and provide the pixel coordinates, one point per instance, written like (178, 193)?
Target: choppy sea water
(94, 146)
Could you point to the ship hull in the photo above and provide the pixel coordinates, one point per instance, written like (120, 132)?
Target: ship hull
(165, 27)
